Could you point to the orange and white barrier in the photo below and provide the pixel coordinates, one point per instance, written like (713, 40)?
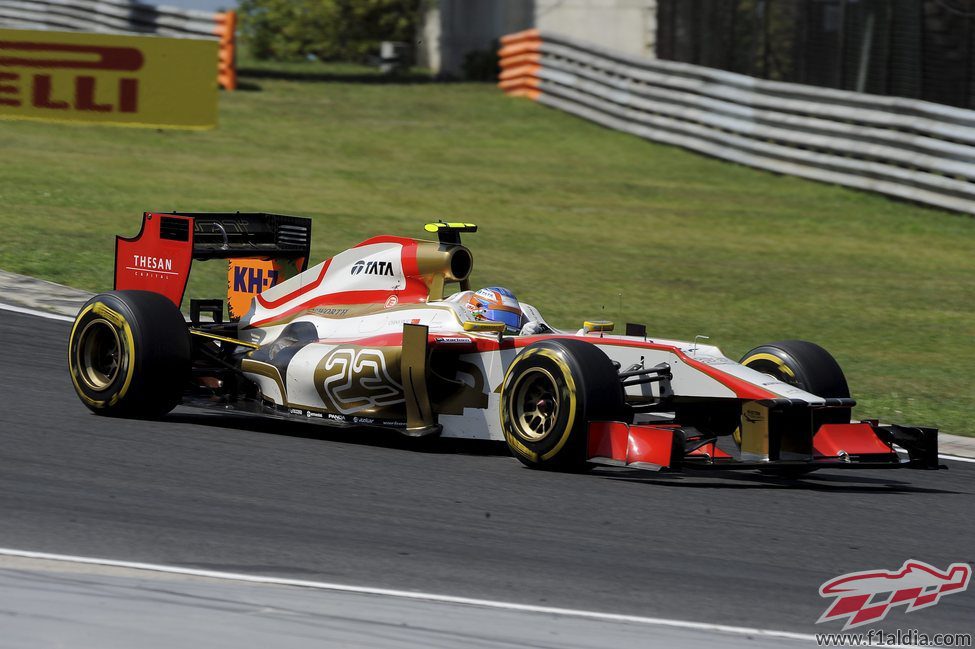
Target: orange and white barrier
(226, 31)
(520, 59)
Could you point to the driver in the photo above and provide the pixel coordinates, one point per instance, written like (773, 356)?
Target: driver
(497, 304)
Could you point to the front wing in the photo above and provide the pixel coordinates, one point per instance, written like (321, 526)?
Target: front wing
(864, 445)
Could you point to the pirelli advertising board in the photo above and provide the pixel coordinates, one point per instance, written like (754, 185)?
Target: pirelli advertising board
(107, 78)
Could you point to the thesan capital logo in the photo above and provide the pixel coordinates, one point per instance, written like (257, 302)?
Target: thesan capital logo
(867, 596)
(152, 266)
(81, 92)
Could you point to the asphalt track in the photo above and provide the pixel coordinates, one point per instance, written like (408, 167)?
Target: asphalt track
(305, 502)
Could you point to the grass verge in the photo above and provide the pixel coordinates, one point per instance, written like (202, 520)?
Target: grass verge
(579, 220)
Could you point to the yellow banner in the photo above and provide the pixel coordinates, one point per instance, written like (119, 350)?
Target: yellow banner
(132, 80)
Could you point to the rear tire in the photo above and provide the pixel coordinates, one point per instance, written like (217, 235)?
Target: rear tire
(550, 393)
(129, 354)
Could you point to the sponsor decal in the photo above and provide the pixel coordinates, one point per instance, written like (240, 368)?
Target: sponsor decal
(391, 301)
(149, 266)
(754, 416)
(108, 78)
(254, 280)
(452, 340)
(246, 277)
(363, 267)
(345, 419)
(867, 596)
(329, 311)
(711, 360)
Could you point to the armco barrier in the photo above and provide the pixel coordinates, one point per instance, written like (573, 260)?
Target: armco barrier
(124, 17)
(911, 149)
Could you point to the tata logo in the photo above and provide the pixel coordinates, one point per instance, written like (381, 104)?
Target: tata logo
(40, 91)
(372, 268)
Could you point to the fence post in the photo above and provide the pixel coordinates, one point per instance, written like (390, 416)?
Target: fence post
(227, 31)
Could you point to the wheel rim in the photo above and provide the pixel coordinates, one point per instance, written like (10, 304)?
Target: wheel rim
(99, 354)
(535, 405)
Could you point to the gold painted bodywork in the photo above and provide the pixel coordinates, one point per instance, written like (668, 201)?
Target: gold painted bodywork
(441, 263)
(361, 381)
(754, 431)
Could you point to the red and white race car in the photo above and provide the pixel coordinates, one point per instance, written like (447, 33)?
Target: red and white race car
(389, 333)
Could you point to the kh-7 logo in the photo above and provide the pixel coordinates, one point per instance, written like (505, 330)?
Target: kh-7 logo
(865, 597)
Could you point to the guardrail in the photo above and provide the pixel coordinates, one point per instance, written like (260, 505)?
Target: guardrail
(911, 149)
(124, 17)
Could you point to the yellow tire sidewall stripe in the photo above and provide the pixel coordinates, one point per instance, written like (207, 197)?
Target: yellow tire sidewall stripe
(772, 358)
(570, 421)
(117, 320)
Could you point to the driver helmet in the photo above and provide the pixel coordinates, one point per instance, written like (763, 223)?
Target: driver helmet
(497, 304)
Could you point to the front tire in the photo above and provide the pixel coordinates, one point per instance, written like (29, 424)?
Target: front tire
(129, 354)
(800, 363)
(550, 394)
(807, 366)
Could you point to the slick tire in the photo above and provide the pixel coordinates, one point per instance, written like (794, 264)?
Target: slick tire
(550, 394)
(800, 363)
(805, 365)
(129, 354)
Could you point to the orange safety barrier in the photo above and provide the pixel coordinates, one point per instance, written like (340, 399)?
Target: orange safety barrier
(226, 30)
(519, 59)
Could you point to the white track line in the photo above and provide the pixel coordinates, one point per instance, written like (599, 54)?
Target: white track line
(956, 458)
(35, 312)
(64, 318)
(418, 596)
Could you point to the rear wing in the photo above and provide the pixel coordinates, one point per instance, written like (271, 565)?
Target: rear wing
(261, 248)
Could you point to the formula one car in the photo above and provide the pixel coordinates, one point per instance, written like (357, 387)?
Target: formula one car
(372, 337)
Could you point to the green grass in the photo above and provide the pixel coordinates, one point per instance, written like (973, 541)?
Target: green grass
(571, 216)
